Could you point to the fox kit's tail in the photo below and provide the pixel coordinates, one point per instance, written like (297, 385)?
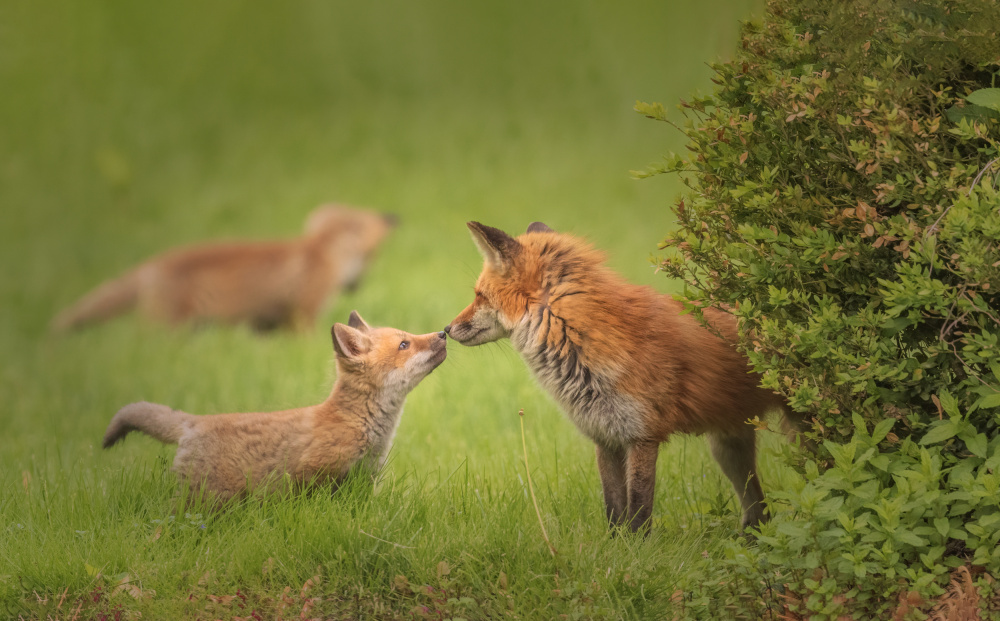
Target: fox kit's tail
(158, 421)
(107, 300)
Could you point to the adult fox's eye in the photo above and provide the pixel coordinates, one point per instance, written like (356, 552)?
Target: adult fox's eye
(404, 345)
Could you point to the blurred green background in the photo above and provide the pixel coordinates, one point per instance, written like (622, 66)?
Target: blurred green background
(131, 127)
(127, 128)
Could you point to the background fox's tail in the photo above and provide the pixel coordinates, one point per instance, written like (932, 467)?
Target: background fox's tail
(159, 421)
(107, 300)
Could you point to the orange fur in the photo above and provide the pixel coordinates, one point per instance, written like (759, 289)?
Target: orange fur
(621, 359)
(267, 284)
(225, 455)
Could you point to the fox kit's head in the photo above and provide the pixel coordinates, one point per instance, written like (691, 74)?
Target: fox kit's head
(510, 282)
(387, 359)
(350, 236)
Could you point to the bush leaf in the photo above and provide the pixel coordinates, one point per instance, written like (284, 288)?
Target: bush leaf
(986, 98)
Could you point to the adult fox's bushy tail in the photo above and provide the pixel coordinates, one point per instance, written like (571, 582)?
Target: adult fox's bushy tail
(159, 421)
(107, 300)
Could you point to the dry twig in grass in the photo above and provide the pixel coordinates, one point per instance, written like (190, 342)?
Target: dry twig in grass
(531, 488)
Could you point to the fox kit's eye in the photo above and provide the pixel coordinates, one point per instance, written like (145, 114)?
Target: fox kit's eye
(404, 345)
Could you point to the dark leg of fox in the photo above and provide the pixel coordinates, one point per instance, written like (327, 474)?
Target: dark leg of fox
(611, 465)
(640, 474)
(271, 317)
(737, 455)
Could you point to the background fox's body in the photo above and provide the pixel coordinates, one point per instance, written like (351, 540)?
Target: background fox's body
(267, 284)
(628, 368)
(223, 454)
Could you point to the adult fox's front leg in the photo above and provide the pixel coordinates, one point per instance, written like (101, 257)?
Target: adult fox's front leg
(640, 476)
(611, 466)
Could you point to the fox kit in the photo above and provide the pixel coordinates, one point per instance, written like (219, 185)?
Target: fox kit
(268, 284)
(623, 362)
(225, 453)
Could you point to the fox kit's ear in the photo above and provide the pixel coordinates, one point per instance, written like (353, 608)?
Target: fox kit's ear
(539, 227)
(348, 342)
(498, 248)
(356, 322)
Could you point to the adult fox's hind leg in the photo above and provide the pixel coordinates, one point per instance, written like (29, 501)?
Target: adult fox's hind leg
(737, 456)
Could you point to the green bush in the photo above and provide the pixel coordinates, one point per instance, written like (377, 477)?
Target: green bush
(842, 201)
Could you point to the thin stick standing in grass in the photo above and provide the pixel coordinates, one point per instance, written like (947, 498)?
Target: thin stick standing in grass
(531, 488)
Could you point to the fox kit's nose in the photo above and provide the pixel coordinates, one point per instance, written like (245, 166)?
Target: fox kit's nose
(442, 333)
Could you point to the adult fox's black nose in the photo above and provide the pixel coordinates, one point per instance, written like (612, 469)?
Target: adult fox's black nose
(447, 329)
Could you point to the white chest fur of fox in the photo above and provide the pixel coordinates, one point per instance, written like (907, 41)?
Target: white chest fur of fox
(227, 455)
(588, 396)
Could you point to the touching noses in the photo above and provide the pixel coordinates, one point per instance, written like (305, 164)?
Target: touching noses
(447, 330)
(443, 333)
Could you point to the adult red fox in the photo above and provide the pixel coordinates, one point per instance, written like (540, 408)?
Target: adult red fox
(268, 284)
(225, 455)
(623, 362)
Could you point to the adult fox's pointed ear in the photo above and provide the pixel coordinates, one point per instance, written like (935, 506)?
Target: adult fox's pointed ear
(539, 227)
(349, 343)
(355, 321)
(498, 248)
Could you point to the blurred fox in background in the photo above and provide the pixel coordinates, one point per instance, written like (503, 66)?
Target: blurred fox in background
(267, 284)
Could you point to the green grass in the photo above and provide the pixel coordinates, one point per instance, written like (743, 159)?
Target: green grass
(127, 128)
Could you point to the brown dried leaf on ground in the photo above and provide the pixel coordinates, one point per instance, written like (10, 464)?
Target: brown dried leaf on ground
(961, 601)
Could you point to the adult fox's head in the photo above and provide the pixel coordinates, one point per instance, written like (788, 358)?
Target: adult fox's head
(511, 281)
(390, 360)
